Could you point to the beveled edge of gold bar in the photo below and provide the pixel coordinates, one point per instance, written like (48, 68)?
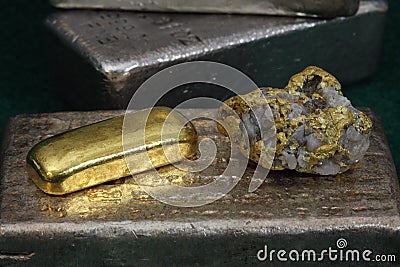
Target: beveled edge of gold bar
(108, 167)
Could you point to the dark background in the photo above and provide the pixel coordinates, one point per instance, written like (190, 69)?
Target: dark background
(27, 84)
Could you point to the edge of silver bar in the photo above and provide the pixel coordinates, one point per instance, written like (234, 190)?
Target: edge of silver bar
(312, 8)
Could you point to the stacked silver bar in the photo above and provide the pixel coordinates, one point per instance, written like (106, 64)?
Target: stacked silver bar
(271, 7)
(104, 56)
(116, 224)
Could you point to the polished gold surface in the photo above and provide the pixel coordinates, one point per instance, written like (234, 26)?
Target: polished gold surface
(94, 154)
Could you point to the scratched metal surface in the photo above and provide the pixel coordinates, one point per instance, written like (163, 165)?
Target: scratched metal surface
(102, 57)
(118, 223)
(271, 7)
(369, 190)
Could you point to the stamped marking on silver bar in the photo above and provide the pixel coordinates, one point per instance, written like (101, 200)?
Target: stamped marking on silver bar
(111, 53)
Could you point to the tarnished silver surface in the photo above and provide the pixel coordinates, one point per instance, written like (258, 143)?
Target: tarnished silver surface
(272, 7)
(102, 57)
(118, 224)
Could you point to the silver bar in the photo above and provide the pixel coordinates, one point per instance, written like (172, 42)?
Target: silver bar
(102, 57)
(117, 224)
(271, 7)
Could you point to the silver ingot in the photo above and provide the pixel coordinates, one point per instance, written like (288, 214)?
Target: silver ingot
(118, 224)
(104, 56)
(270, 7)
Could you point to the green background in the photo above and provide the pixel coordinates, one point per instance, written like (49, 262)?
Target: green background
(27, 84)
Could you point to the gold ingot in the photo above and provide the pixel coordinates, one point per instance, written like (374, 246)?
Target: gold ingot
(94, 154)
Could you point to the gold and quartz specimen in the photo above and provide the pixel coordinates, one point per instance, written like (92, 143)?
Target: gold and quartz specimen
(317, 129)
(94, 154)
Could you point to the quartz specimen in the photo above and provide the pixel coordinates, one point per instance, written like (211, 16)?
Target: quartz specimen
(317, 129)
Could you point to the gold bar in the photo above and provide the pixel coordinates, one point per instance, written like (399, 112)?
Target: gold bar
(94, 154)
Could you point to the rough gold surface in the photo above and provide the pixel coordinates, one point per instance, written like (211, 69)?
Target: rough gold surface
(93, 154)
(317, 128)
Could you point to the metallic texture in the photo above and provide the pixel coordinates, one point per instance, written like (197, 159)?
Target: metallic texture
(102, 57)
(271, 7)
(118, 224)
(317, 129)
(93, 154)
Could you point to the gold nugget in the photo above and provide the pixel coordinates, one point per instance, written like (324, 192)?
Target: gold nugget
(317, 129)
(93, 154)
